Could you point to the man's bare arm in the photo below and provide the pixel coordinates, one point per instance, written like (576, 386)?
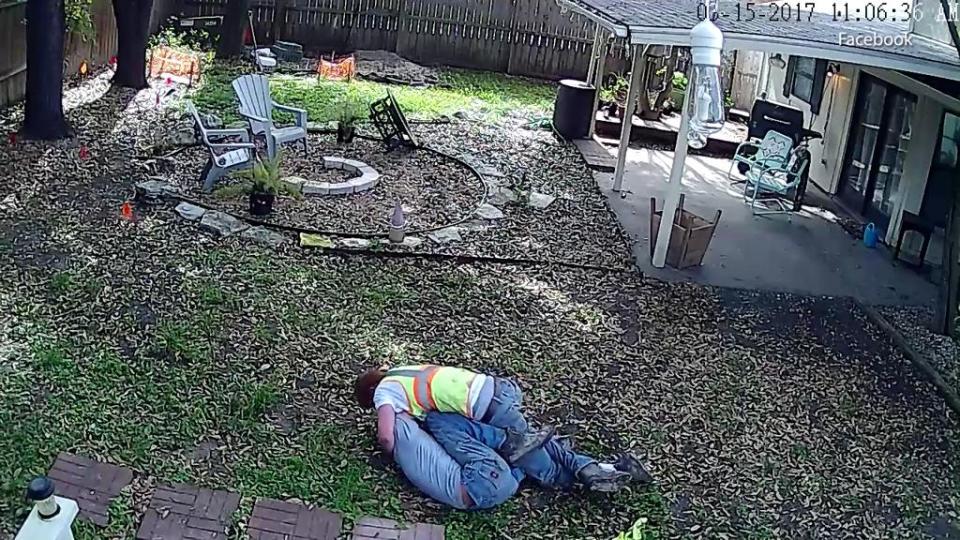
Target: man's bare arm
(386, 418)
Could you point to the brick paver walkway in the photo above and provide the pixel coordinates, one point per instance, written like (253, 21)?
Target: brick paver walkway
(93, 485)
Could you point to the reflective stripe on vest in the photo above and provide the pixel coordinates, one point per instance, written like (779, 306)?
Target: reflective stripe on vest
(453, 394)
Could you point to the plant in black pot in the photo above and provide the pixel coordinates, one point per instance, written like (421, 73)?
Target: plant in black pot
(613, 95)
(350, 111)
(262, 183)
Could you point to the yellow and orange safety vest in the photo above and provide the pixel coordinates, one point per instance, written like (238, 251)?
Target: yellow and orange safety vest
(435, 388)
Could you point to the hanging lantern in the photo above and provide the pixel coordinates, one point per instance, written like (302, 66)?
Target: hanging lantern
(398, 225)
(705, 104)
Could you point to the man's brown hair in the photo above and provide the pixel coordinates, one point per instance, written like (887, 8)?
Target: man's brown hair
(366, 384)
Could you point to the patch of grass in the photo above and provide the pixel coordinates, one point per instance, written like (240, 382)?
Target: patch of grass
(252, 400)
(62, 282)
(179, 340)
(212, 294)
(327, 467)
(484, 93)
(53, 360)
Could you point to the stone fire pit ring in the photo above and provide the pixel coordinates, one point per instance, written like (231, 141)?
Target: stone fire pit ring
(367, 179)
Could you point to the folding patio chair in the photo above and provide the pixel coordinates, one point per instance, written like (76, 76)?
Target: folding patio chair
(257, 106)
(225, 157)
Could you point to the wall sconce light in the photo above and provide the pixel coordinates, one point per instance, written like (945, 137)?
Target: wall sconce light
(777, 61)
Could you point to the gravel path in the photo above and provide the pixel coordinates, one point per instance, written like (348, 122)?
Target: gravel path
(227, 364)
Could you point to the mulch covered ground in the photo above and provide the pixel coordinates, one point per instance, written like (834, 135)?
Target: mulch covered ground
(229, 365)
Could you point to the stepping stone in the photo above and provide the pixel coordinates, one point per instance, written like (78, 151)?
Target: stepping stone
(189, 211)
(154, 190)
(541, 200)
(502, 196)
(265, 236)
(92, 484)
(273, 519)
(183, 511)
(368, 528)
(443, 236)
(596, 155)
(488, 211)
(222, 224)
(354, 243)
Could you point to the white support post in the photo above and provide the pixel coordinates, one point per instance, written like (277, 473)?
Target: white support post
(598, 80)
(672, 199)
(626, 122)
(593, 55)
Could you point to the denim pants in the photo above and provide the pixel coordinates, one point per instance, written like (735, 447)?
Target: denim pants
(486, 476)
(551, 466)
(504, 409)
(429, 467)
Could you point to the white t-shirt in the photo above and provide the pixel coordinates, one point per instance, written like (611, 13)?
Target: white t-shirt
(391, 393)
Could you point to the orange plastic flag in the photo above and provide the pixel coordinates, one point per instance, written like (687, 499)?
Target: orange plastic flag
(83, 68)
(126, 211)
(84, 153)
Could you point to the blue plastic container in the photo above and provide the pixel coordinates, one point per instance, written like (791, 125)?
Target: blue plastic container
(870, 235)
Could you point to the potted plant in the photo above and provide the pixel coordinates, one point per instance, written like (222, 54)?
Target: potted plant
(351, 110)
(679, 89)
(262, 183)
(613, 95)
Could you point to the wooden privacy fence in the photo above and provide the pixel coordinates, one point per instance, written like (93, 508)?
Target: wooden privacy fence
(13, 46)
(521, 37)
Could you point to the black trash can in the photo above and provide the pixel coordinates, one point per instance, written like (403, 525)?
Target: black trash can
(573, 109)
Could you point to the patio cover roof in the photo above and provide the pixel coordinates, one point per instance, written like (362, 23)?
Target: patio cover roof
(669, 23)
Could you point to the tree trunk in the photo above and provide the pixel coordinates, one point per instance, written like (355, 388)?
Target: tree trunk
(133, 26)
(279, 20)
(43, 111)
(231, 32)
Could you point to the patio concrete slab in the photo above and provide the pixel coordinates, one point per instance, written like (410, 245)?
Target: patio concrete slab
(806, 253)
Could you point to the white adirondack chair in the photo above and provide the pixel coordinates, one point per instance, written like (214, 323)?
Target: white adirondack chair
(257, 107)
(225, 157)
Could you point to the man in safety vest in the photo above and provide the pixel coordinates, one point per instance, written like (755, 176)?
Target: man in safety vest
(478, 448)
(418, 390)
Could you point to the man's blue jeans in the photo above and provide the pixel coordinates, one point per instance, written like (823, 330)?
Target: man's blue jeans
(504, 410)
(551, 466)
(486, 478)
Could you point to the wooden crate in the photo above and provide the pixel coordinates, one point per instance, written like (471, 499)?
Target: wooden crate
(690, 237)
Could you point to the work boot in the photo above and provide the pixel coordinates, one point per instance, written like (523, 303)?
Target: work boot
(630, 464)
(518, 445)
(603, 479)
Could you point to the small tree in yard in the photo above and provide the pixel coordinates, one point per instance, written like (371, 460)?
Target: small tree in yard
(43, 110)
(231, 32)
(133, 27)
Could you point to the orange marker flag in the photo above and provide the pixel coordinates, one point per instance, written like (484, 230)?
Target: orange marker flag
(126, 211)
(84, 153)
(83, 68)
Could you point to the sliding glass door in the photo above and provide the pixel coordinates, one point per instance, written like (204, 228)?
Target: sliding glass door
(883, 119)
